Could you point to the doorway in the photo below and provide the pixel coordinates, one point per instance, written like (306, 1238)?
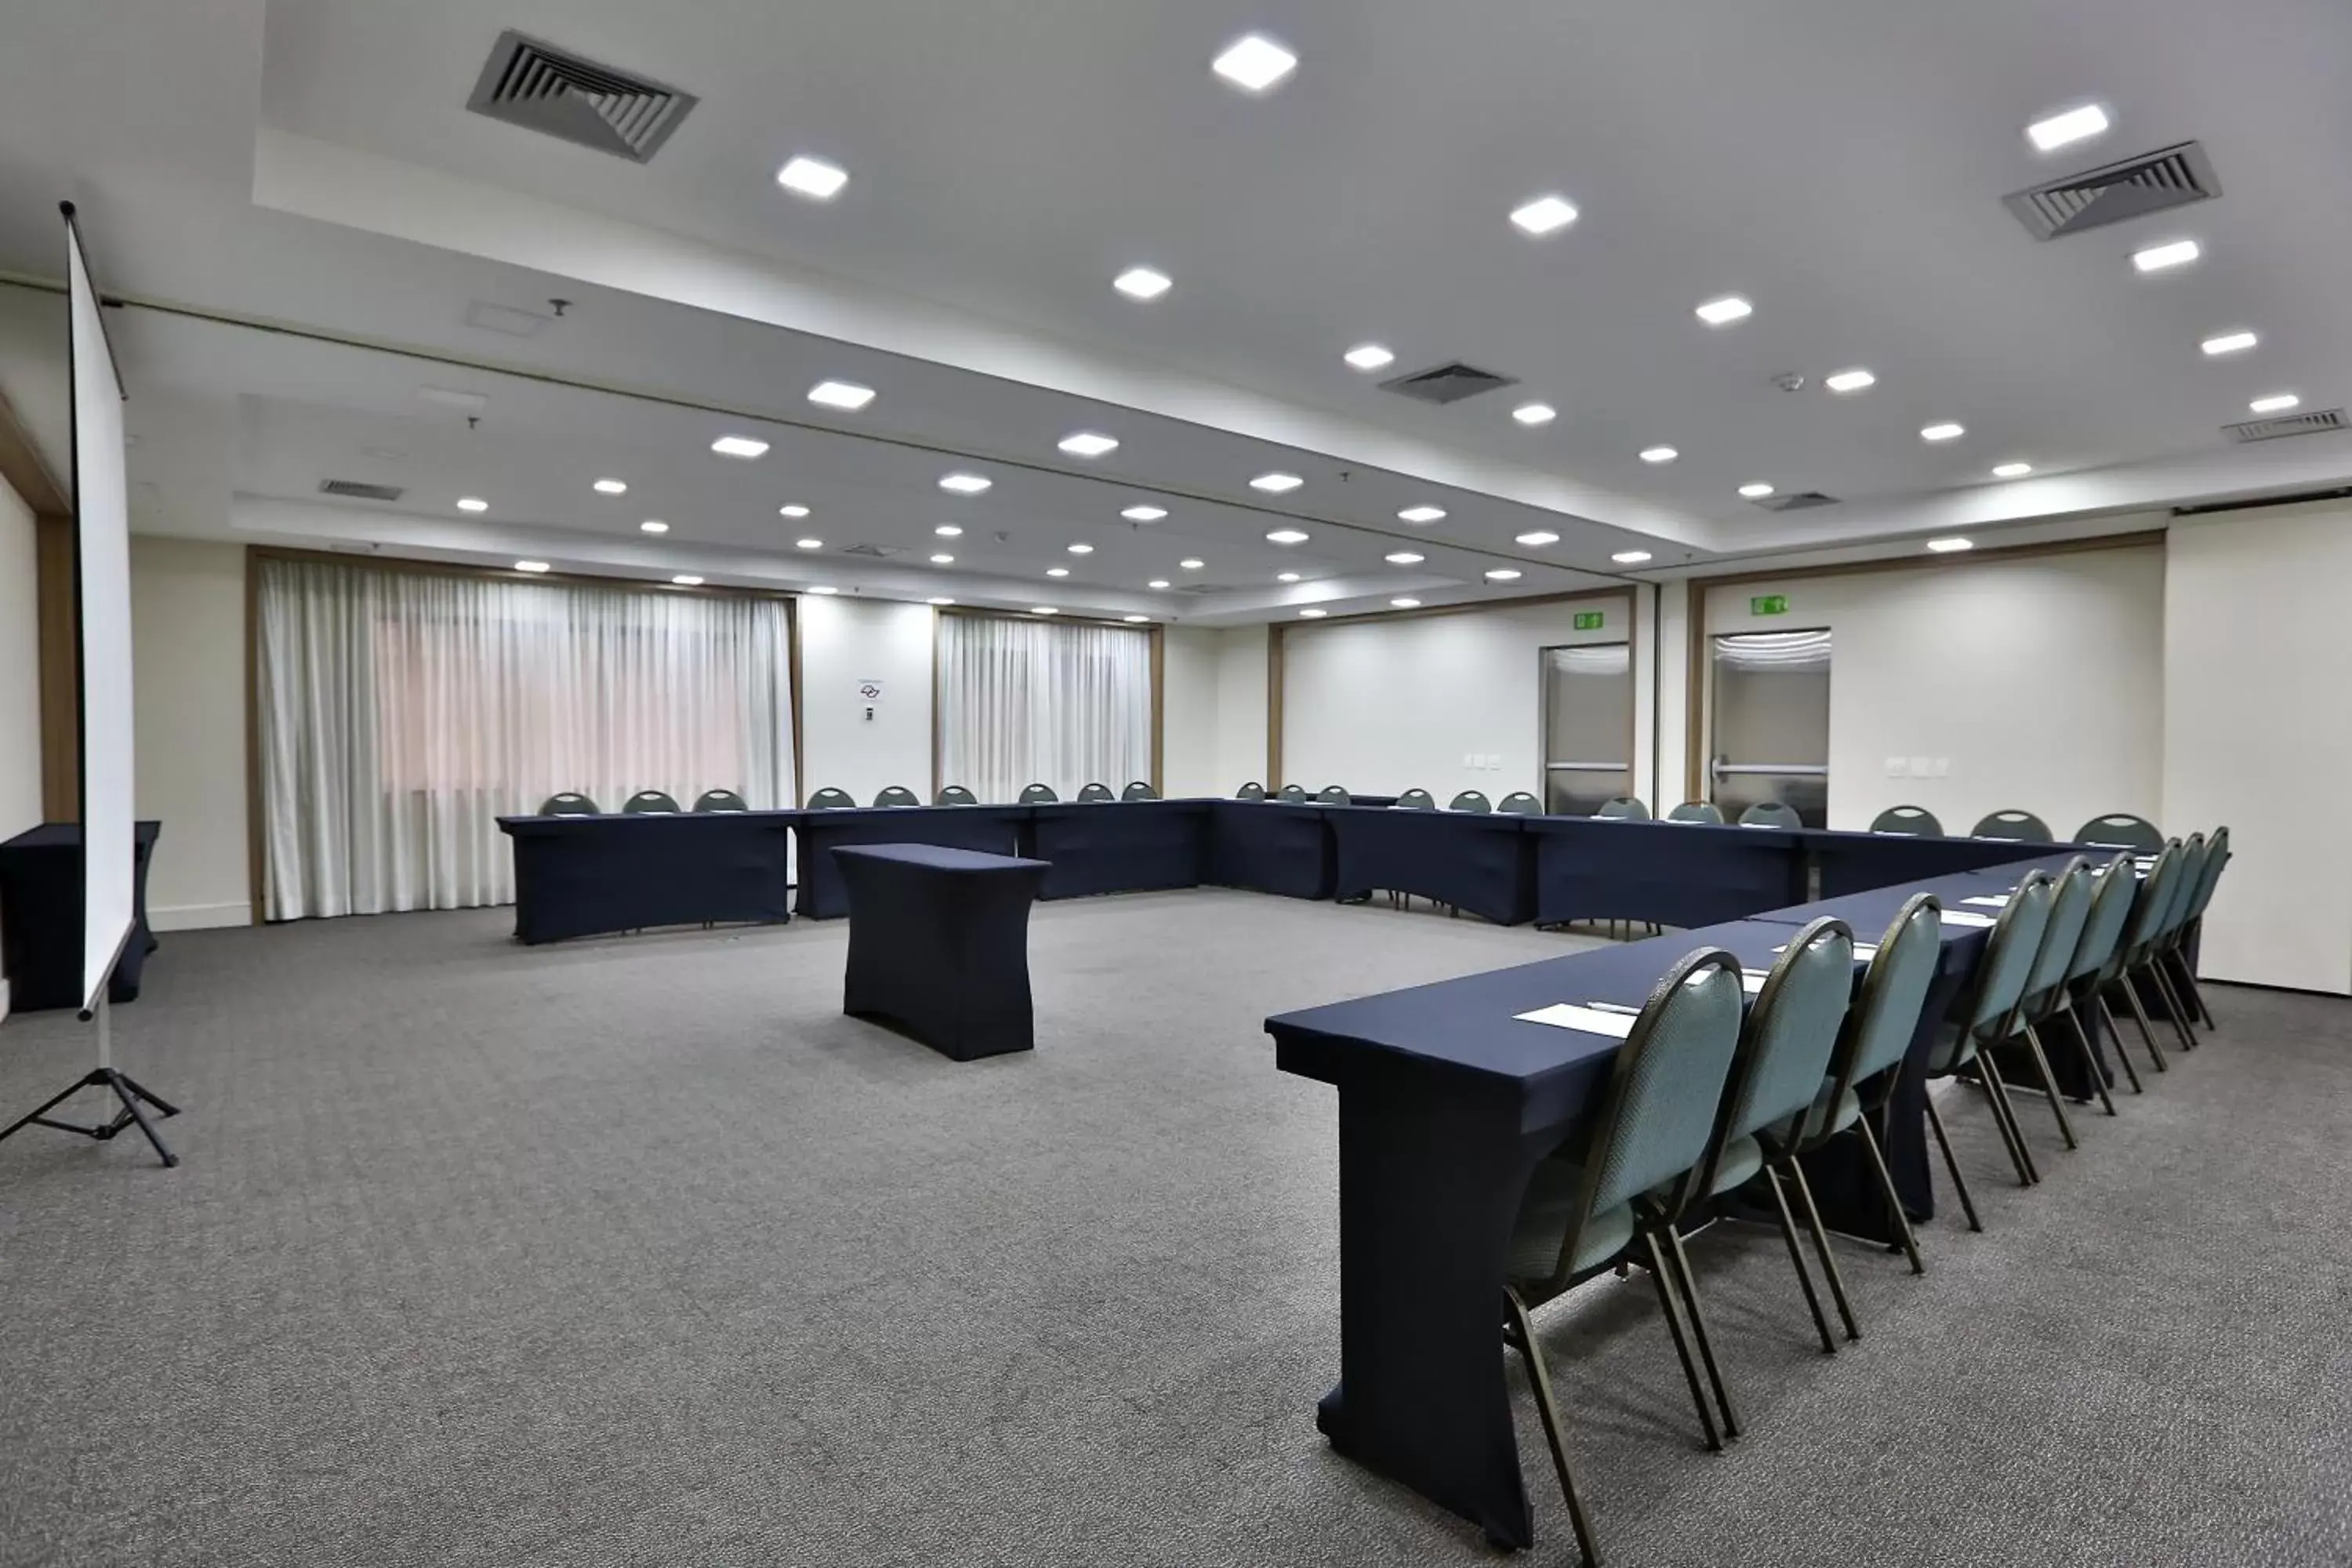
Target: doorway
(1771, 724)
(1588, 726)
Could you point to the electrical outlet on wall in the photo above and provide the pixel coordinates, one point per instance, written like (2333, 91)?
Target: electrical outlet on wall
(1898, 767)
(1943, 767)
(1923, 767)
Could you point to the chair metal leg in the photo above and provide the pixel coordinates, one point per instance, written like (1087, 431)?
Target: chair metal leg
(1797, 1261)
(1821, 1248)
(1952, 1165)
(2171, 1004)
(1893, 1199)
(1547, 1408)
(2005, 1114)
(2190, 992)
(1682, 1342)
(2090, 1062)
(2089, 1054)
(2050, 1086)
(1687, 1284)
(2139, 1020)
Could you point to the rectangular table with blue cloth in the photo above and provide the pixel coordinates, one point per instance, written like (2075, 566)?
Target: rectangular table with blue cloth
(1478, 861)
(991, 829)
(938, 945)
(1674, 873)
(1850, 862)
(1120, 846)
(584, 876)
(1266, 847)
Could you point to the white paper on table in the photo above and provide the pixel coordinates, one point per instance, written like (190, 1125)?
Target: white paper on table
(1752, 980)
(1589, 1020)
(1990, 900)
(1861, 950)
(1968, 918)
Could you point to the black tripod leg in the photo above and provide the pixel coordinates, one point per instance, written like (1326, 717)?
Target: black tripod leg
(150, 1095)
(131, 1094)
(39, 1117)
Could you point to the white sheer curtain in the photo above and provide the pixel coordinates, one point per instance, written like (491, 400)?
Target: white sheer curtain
(1025, 701)
(400, 714)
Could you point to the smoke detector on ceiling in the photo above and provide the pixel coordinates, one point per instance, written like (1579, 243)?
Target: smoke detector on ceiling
(556, 93)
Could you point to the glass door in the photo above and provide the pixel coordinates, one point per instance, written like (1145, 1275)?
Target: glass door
(1772, 723)
(1588, 697)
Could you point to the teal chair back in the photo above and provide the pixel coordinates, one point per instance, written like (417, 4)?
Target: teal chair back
(2022, 826)
(1520, 803)
(1624, 809)
(1770, 813)
(2153, 905)
(830, 800)
(1332, 794)
(568, 804)
(1251, 791)
(1790, 1033)
(1139, 790)
(898, 795)
(1885, 1017)
(2217, 855)
(2121, 830)
(2101, 944)
(2007, 961)
(1038, 795)
(1417, 800)
(1470, 800)
(2070, 912)
(2193, 856)
(1705, 810)
(1915, 820)
(650, 803)
(1295, 794)
(955, 795)
(719, 800)
(1095, 792)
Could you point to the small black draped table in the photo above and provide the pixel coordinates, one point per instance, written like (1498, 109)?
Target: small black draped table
(938, 945)
(40, 917)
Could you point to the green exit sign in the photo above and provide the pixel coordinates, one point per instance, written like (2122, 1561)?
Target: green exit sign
(1768, 605)
(1588, 620)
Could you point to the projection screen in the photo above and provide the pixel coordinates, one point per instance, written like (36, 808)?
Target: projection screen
(102, 600)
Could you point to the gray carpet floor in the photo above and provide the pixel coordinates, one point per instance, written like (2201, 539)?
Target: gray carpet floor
(636, 1251)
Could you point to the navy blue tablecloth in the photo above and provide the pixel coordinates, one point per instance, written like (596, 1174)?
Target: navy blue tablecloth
(1266, 846)
(938, 945)
(1120, 846)
(40, 917)
(991, 829)
(1479, 861)
(1674, 873)
(584, 875)
(1855, 862)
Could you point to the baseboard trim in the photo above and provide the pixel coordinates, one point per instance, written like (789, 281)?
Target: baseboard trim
(199, 917)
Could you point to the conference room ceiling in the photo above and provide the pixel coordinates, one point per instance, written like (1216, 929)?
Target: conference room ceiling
(1839, 165)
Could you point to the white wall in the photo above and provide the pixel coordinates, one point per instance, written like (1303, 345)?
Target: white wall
(2258, 728)
(1241, 708)
(1189, 697)
(846, 642)
(20, 675)
(2041, 680)
(1389, 704)
(188, 653)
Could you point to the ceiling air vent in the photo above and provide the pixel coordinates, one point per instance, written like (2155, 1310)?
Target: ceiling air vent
(2152, 183)
(2319, 421)
(872, 551)
(1798, 500)
(1447, 382)
(540, 88)
(353, 490)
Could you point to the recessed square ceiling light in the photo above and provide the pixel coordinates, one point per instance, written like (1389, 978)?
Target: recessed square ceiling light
(1947, 546)
(1756, 492)
(1142, 283)
(1082, 547)
(1535, 414)
(687, 580)
(1405, 603)
(654, 525)
(1057, 571)
(809, 543)
(472, 503)
(1849, 380)
(1422, 514)
(1503, 575)
(1255, 63)
(1544, 214)
(813, 178)
(740, 447)
(942, 559)
(1286, 576)
(1157, 583)
(949, 530)
(2012, 470)
(1311, 614)
(2230, 343)
(1541, 536)
(1369, 356)
(1286, 536)
(939, 601)
(1630, 557)
(840, 394)
(1132, 619)
(2158, 258)
(1943, 432)
(530, 565)
(2064, 129)
(1276, 482)
(1659, 454)
(2276, 402)
(1191, 563)
(1044, 610)
(793, 511)
(965, 484)
(824, 588)
(1144, 513)
(1088, 444)
(1723, 311)
(612, 487)
(1404, 558)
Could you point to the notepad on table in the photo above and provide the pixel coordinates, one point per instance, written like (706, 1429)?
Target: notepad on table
(1968, 918)
(1861, 950)
(1990, 900)
(1590, 1020)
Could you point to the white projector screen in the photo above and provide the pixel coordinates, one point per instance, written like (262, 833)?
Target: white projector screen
(102, 601)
